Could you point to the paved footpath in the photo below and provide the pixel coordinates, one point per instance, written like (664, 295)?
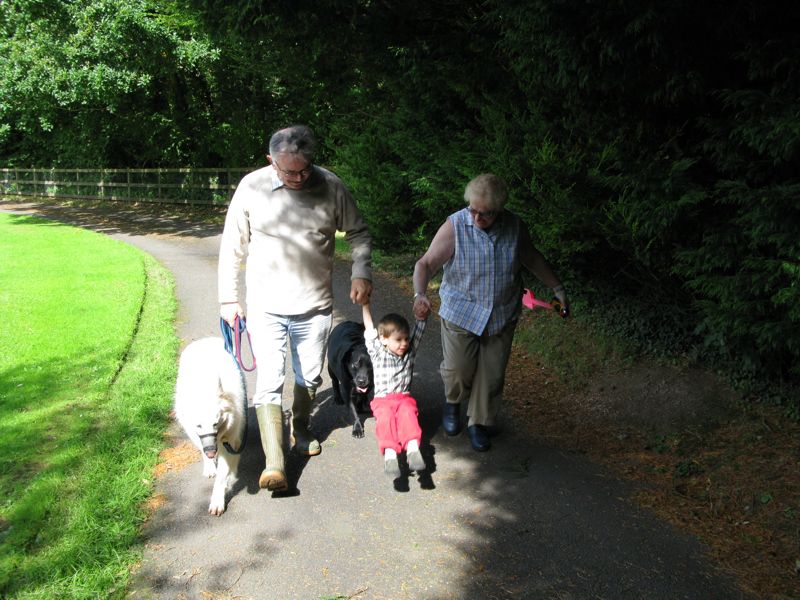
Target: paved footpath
(520, 521)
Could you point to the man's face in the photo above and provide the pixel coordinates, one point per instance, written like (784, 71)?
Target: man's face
(293, 169)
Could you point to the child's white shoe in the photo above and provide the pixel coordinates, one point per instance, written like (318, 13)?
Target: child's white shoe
(390, 465)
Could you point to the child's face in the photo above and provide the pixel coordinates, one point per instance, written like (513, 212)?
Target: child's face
(396, 343)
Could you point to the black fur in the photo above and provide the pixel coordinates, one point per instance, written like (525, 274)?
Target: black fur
(349, 364)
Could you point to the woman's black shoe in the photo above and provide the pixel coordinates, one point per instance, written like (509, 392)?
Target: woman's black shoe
(451, 418)
(478, 438)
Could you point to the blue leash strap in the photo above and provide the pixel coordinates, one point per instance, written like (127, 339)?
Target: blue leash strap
(233, 345)
(233, 340)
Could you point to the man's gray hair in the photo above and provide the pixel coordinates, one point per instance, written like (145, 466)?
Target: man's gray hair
(296, 139)
(489, 188)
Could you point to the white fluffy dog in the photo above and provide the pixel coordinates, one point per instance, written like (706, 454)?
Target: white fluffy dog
(210, 397)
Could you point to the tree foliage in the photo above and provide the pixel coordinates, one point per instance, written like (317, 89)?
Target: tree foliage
(652, 148)
(108, 82)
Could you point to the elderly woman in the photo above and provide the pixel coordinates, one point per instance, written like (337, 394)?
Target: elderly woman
(482, 249)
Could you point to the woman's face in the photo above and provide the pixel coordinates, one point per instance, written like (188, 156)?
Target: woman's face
(482, 216)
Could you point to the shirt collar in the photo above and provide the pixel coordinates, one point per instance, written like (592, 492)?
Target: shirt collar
(276, 181)
(492, 231)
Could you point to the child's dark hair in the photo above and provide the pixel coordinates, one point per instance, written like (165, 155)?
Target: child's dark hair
(391, 323)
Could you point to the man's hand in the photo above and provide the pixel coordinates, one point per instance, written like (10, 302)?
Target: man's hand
(229, 310)
(360, 291)
(422, 307)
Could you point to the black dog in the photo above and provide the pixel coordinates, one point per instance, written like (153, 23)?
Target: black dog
(350, 369)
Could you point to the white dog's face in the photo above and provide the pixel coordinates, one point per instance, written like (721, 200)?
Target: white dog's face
(208, 434)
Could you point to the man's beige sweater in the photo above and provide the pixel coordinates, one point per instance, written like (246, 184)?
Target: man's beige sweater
(286, 238)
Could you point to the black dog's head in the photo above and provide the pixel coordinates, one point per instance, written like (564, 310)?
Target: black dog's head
(360, 367)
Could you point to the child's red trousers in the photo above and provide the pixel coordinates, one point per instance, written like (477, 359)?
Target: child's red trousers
(396, 421)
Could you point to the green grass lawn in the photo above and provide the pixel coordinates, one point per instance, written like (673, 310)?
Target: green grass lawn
(87, 366)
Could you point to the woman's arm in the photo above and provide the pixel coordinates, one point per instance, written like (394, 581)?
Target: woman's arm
(535, 262)
(439, 252)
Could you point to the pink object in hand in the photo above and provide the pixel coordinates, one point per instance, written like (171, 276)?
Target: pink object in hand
(530, 301)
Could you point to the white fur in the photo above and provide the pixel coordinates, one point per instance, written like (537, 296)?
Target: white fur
(209, 399)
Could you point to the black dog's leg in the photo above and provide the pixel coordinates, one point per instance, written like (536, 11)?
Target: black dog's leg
(358, 428)
(337, 395)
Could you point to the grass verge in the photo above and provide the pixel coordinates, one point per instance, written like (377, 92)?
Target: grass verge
(86, 377)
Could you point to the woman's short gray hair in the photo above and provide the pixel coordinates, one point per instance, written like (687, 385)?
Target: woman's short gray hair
(296, 139)
(488, 188)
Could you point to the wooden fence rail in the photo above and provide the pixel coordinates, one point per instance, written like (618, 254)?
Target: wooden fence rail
(176, 186)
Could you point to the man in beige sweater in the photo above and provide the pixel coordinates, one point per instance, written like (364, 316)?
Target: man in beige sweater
(280, 225)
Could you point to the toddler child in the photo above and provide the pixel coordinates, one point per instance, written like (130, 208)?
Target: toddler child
(392, 348)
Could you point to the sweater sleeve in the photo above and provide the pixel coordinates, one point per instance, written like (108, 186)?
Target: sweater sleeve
(356, 233)
(233, 249)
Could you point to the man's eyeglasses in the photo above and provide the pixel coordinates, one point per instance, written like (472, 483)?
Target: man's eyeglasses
(301, 173)
(485, 214)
